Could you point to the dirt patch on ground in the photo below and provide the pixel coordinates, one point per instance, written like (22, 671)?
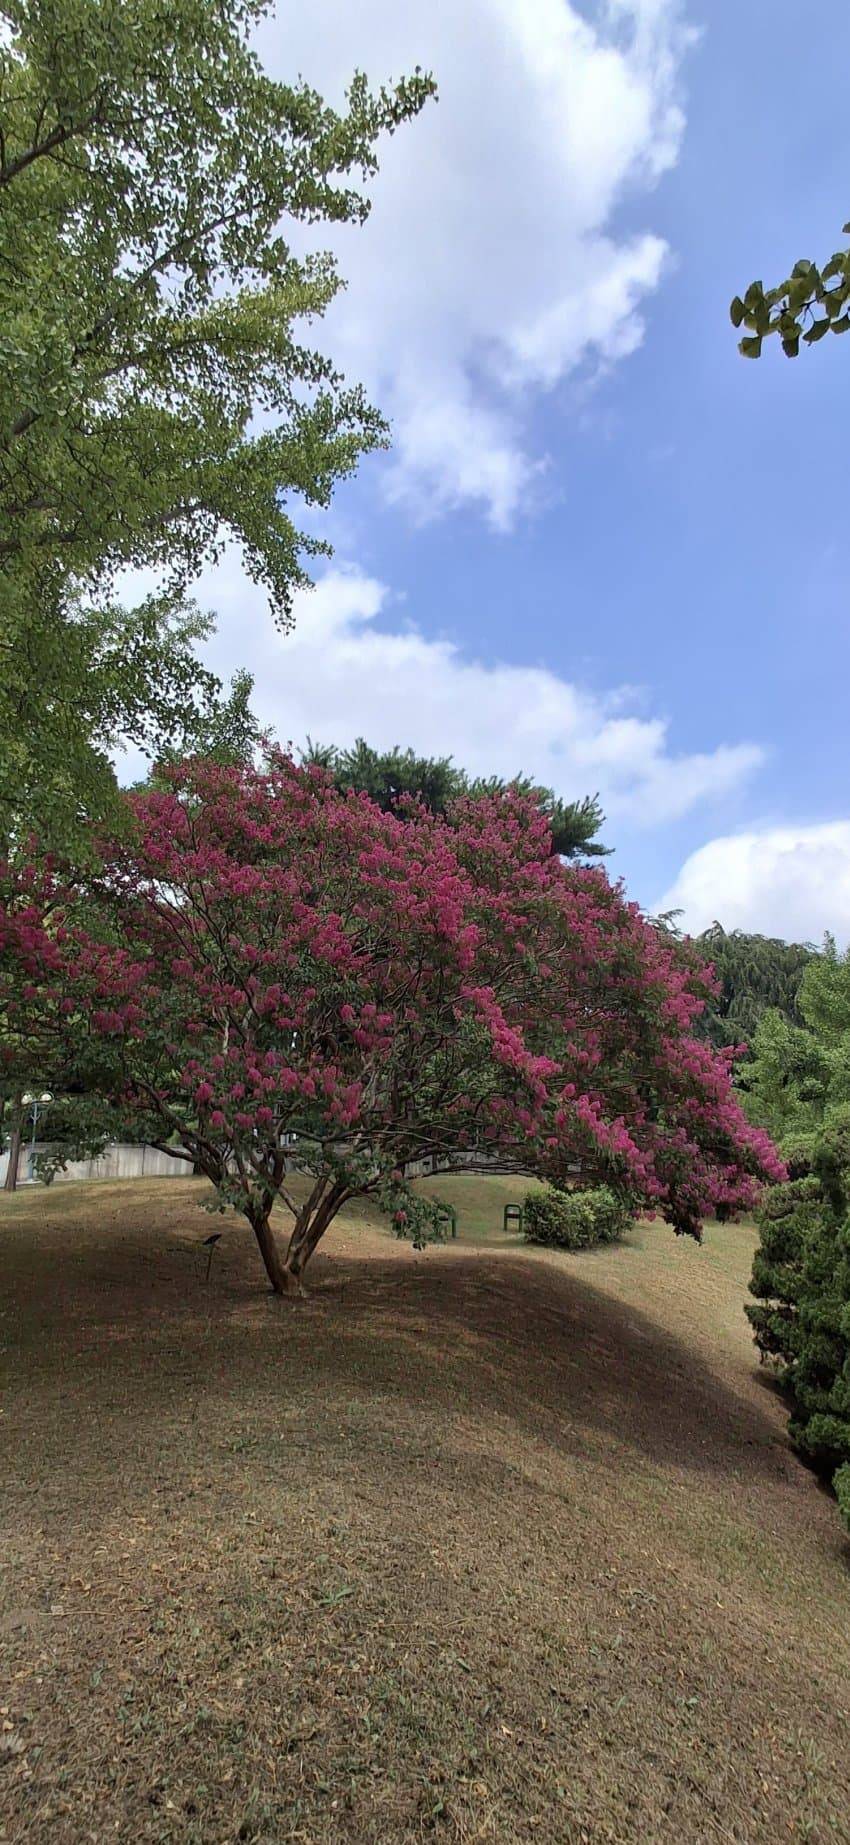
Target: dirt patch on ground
(481, 1544)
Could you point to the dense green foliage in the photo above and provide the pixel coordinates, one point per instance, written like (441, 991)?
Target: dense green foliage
(797, 1081)
(224, 731)
(155, 397)
(76, 681)
(801, 1319)
(754, 973)
(789, 1220)
(148, 294)
(810, 303)
(798, 1085)
(575, 1219)
(388, 775)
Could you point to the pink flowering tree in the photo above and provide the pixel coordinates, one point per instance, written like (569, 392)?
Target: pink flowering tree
(267, 972)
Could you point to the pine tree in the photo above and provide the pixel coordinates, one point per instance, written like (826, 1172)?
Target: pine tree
(388, 775)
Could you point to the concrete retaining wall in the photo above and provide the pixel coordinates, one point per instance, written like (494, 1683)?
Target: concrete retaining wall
(120, 1161)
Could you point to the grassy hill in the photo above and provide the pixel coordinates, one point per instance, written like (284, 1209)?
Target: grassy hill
(479, 1544)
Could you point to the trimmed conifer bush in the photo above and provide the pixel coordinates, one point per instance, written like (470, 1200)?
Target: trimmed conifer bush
(789, 1220)
(575, 1219)
(801, 1320)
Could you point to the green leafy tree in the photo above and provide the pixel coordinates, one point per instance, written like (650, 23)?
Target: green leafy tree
(148, 294)
(80, 1119)
(226, 731)
(810, 303)
(388, 775)
(156, 396)
(797, 1082)
(223, 730)
(754, 973)
(76, 680)
(786, 1083)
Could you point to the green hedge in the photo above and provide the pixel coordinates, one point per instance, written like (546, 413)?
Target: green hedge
(575, 1219)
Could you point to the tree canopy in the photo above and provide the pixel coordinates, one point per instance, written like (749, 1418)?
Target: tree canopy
(753, 974)
(807, 305)
(797, 1081)
(387, 776)
(148, 293)
(77, 681)
(267, 968)
(156, 396)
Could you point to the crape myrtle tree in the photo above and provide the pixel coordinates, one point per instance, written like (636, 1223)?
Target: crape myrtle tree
(222, 727)
(267, 969)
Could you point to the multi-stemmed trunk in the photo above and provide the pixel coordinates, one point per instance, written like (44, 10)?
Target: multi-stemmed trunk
(285, 1273)
(275, 1267)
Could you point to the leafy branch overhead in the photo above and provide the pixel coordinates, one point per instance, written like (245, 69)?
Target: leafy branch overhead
(150, 174)
(158, 392)
(809, 304)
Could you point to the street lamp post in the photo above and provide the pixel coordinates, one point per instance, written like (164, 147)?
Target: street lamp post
(36, 1105)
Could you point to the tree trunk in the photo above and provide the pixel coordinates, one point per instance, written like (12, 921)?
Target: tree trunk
(285, 1276)
(297, 1256)
(282, 1281)
(307, 1234)
(11, 1182)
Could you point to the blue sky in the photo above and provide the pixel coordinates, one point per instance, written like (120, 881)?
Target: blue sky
(605, 549)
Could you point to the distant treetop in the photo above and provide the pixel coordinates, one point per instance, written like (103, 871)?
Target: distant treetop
(755, 973)
(389, 775)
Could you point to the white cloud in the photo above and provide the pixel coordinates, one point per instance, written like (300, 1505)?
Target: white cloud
(355, 665)
(492, 265)
(791, 881)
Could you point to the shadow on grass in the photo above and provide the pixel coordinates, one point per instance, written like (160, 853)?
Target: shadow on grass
(559, 1355)
(124, 1322)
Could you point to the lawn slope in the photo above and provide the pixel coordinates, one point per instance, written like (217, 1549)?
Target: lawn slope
(479, 1544)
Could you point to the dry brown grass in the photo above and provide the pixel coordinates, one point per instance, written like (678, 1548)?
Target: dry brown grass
(483, 1544)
